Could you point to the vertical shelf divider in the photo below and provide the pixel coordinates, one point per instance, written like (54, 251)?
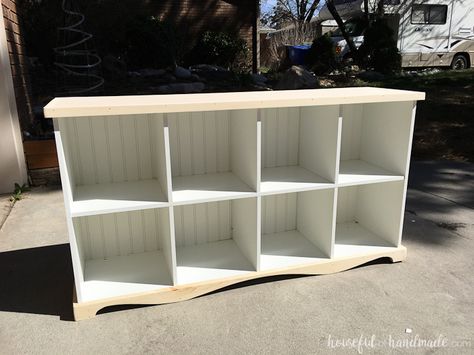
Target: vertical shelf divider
(77, 260)
(407, 170)
(172, 263)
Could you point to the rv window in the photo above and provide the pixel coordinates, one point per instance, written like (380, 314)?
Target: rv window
(429, 14)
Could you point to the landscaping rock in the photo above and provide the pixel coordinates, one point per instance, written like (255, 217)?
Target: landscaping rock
(327, 83)
(211, 72)
(259, 78)
(150, 72)
(182, 73)
(371, 75)
(297, 77)
(170, 78)
(181, 88)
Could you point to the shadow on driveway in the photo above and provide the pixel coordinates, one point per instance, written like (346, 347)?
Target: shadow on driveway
(37, 280)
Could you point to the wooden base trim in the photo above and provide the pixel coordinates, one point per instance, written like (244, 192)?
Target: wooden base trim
(86, 310)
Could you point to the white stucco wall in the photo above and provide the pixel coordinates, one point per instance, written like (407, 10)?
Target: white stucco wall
(12, 158)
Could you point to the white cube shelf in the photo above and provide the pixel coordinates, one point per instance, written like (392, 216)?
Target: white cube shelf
(171, 197)
(296, 228)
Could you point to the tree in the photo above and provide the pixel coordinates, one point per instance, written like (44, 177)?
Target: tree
(295, 12)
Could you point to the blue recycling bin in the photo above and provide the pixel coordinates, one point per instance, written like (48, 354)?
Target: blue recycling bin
(297, 54)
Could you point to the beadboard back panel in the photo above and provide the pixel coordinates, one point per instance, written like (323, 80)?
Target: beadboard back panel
(114, 148)
(280, 137)
(199, 142)
(120, 234)
(351, 131)
(279, 213)
(202, 223)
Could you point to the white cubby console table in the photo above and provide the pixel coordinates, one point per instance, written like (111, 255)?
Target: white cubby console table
(169, 197)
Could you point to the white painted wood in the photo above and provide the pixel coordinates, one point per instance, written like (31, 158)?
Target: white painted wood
(357, 172)
(122, 275)
(378, 208)
(245, 231)
(375, 207)
(202, 223)
(169, 197)
(353, 239)
(209, 187)
(375, 142)
(121, 234)
(144, 104)
(290, 179)
(77, 255)
(211, 261)
(280, 137)
(115, 164)
(117, 197)
(385, 136)
(289, 248)
(243, 146)
(318, 140)
(301, 224)
(299, 148)
(314, 218)
(407, 170)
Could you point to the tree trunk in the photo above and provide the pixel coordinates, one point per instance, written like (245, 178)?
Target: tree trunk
(366, 9)
(340, 24)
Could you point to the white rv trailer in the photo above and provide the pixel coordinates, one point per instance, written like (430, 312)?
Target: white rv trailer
(428, 32)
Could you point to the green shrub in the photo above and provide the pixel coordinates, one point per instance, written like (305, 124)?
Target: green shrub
(379, 49)
(152, 43)
(220, 48)
(321, 57)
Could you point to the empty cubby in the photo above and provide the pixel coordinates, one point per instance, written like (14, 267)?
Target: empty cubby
(299, 148)
(375, 143)
(213, 155)
(124, 253)
(114, 163)
(369, 218)
(216, 239)
(297, 228)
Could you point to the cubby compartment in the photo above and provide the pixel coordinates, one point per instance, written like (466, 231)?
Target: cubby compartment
(369, 218)
(297, 228)
(124, 253)
(213, 155)
(216, 239)
(375, 142)
(114, 163)
(299, 148)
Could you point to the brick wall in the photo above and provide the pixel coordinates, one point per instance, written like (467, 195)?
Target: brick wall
(197, 16)
(18, 60)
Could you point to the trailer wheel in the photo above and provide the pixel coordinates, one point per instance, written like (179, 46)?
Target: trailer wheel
(459, 62)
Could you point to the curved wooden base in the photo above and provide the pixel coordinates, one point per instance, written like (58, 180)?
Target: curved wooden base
(88, 310)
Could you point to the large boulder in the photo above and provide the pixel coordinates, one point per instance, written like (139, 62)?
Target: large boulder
(182, 73)
(297, 77)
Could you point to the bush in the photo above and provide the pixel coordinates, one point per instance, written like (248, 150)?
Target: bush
(380, 49)
(220, 48)
(152, 43)
(321, 57)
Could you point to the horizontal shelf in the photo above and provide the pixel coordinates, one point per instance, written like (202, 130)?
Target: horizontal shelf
(209, 187)
(354, 239)
(117, 197)
(291, 179)
(285, 249)
(358, 172)
(210, 261)
(122, 275)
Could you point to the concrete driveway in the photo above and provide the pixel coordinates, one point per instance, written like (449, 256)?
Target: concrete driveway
(422, 305)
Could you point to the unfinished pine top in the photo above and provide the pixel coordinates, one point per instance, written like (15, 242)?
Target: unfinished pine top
(144, 104)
